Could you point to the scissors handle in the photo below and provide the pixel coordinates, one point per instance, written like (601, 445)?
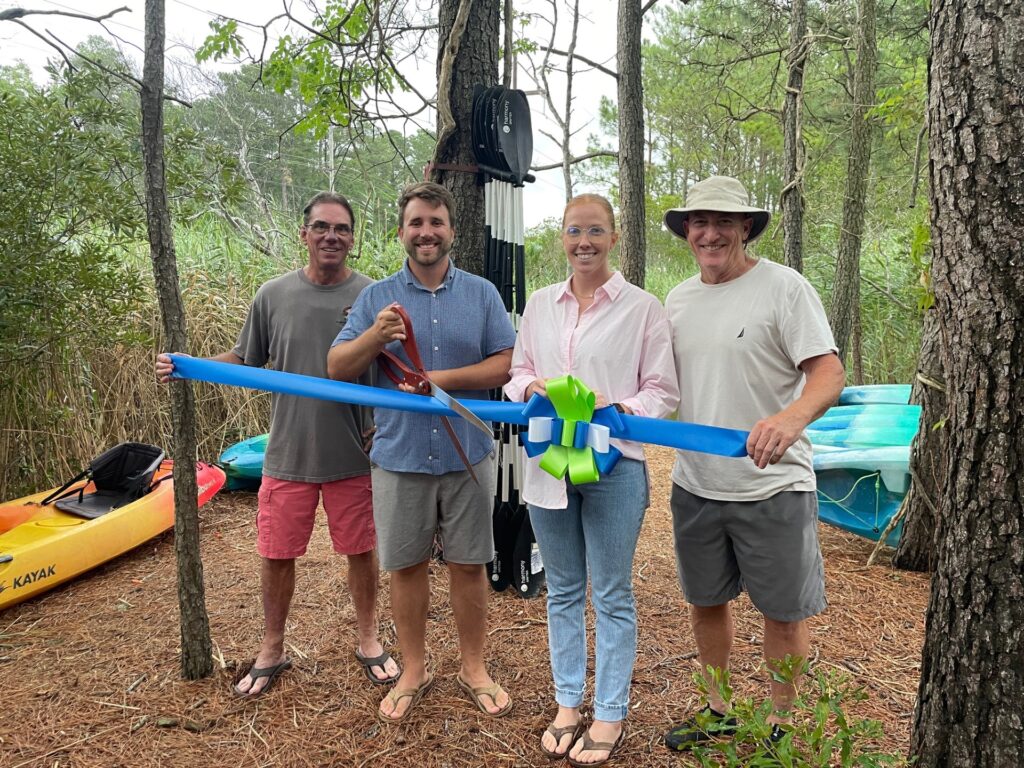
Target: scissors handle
(409, 345)
(395, 368)
(400, 373)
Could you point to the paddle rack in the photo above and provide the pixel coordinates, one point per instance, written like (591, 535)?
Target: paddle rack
(503, 147)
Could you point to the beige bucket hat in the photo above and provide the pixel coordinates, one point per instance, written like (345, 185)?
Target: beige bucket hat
(723, 194)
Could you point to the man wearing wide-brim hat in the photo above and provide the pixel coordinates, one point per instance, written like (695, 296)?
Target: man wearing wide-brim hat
(753, 351)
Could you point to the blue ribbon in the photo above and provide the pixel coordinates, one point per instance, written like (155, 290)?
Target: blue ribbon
(642, 429)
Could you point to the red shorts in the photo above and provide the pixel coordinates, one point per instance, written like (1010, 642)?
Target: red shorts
(287, 509)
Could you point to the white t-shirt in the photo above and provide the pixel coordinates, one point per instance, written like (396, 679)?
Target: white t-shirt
(738, 346)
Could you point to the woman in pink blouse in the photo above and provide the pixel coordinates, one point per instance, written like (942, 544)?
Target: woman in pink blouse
(615, 338)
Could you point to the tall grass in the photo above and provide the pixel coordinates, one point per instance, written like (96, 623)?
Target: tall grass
(73, 401)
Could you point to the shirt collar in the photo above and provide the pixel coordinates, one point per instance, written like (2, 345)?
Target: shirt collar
(410, 278)
(612, 287)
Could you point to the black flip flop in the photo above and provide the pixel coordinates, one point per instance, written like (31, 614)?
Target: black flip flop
(255, 673)
(377, 661)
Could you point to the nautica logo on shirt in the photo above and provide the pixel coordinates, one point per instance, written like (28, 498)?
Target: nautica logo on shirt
(742, 331)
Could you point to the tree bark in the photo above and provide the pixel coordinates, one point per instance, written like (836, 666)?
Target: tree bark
(474, 62)
(632, 195)
(846, 290)
(196, 649)
(922, 527)
(508, 58)
(970, 709)
(793, 192)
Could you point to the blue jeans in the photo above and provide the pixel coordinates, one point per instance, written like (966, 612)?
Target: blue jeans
(598, 532)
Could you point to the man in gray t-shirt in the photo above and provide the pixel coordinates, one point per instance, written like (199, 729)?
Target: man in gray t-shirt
(316, 448)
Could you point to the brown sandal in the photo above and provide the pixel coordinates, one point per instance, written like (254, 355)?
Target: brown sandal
(397, 694)
(559, 734)
(485, 690)
(590, 744)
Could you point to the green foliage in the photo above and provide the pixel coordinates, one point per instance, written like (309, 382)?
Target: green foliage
(67, 214)
(920, 259)
(822, 733)
(72, 234)
(223, 41)
(331, 70)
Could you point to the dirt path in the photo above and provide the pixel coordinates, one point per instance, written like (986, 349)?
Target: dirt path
(90, 671)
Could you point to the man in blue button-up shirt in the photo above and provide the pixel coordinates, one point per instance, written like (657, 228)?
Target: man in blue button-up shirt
(420, 485)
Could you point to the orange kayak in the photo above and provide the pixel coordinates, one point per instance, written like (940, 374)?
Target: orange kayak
(42, 546)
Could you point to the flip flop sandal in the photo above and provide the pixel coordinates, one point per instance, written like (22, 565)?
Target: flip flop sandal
(255, 673)
(590, 744)
(368, 662)
(485, 690)
(559, 734)
(397, 694)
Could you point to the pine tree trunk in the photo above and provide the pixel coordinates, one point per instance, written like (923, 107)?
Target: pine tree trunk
(846, 291)
(475, 64)
(970, 709)
(922, 527)
(632, 195)
(793, 192)
(196, 648)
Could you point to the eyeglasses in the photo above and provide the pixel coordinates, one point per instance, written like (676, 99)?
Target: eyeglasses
(723, 222)
(593, 233)
(322, 228)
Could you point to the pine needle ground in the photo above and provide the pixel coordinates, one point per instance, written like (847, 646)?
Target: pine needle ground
(91, 670)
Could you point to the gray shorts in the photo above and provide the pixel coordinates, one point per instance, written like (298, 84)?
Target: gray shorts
(408, 507)
(768, 547)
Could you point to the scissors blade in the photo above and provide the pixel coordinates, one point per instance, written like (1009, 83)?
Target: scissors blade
(450, 402)
(458, 448)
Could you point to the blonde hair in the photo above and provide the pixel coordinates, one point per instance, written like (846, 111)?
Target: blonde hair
(591, 198)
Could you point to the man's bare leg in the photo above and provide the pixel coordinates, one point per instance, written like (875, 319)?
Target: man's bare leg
(782, 638)
(410, 599)
(468, 590)
(277, 583)
(362, 585)
(713, 631)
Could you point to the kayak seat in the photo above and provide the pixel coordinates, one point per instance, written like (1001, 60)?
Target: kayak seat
(120, 475)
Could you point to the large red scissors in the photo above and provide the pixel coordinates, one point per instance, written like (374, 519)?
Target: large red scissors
(416, 377)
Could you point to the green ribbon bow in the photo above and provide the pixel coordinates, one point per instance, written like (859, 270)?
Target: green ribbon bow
(573, 402)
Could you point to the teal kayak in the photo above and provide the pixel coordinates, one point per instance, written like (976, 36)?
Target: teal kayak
(892, 410)
(876, 393)
(860, 489)
(243, 463)
(897, 417)
(865, 436)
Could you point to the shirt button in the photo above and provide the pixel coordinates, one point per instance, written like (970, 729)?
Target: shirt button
(430, 457)
(435, 431)
(435, 349)
(435, 319)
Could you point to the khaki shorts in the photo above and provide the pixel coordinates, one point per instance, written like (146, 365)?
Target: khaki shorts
(408, 507)
(768, 548)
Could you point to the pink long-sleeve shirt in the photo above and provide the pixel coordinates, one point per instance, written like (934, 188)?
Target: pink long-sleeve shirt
(620, 347)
